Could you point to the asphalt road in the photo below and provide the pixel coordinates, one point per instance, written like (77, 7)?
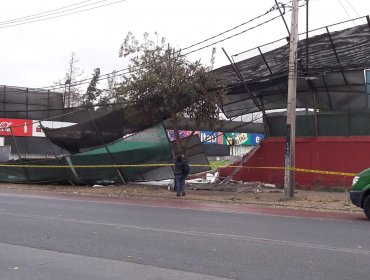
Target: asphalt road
(62, 237)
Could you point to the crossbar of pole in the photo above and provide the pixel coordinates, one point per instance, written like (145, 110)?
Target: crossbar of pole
(105, 146)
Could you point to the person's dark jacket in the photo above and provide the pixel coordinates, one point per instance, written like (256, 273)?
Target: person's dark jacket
(179, 167)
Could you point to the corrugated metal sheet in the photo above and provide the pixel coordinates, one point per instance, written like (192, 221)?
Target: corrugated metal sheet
(335, 74)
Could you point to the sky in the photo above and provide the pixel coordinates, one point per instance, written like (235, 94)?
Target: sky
(36, 54)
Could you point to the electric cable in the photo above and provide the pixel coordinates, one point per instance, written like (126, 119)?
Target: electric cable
(127, 70)
(340, 2)
(349, 3)
(41, 13)
(62, 15)
(232, 36)
(233, 28)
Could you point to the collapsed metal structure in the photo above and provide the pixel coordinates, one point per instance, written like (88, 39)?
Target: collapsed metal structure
(110, 146)
(333, 90)
(96, 147)
(331, 75)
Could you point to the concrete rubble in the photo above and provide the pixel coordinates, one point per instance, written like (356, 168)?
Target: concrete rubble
(210, 181)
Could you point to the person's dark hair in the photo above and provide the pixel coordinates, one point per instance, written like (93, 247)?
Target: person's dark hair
(179, 157)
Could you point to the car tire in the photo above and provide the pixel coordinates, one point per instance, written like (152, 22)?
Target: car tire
(366, 206)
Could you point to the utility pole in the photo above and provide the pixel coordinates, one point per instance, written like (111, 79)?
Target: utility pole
(289, 176)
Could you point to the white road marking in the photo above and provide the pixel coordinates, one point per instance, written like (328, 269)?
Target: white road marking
(197, 233)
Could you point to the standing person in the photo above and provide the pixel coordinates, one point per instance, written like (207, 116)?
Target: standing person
(181, 172)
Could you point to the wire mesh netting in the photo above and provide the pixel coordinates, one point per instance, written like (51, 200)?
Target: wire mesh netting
(128, 159)
(94, 132)
(330, 65)
(35, 104)
(328, 124)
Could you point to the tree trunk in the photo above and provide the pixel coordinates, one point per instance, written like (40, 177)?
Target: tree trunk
(178, 143)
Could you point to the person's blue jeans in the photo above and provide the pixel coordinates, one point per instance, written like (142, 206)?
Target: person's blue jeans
(180, 184)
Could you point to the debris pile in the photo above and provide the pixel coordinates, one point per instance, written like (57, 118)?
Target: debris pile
(212, 182)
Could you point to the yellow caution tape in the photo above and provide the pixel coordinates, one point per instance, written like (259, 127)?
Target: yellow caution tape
(170, 164)
(301, 170)
(86, 166)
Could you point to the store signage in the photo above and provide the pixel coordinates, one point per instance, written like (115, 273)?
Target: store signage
(242, 139)
(183, 134)
(16, 127)
(232, 138)
(30, 128)
(37, 130)
(208, 137)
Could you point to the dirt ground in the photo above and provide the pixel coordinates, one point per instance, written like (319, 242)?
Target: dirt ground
(329, 201)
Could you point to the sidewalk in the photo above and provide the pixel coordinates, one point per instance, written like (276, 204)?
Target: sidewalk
(322, 201)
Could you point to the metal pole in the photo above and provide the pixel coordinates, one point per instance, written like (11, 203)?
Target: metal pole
(4, 103)
(255, 101)
(48, 103)
(314, 100)
(56, 157)
(27, 103)
(307, 36)
(105, 146)
(282, 16)
(19, 155)
(289, 176)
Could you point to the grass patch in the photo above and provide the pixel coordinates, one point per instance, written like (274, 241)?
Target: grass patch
(218, 163)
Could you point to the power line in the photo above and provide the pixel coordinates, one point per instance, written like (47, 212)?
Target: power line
(87, 80)
(344, 8)
(81, 82)
(42, 13)
(232, 36)
(62, 15)
(128, 70)
(233, 28)
(349, 3)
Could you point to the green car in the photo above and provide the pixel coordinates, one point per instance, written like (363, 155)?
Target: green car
(360, 191)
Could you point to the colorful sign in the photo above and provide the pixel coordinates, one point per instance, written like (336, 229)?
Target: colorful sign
(24, 127)
(233, 138)
(243, 139)
(183, 134)
(16, 127)
(36, 127)
(208, 137)
(255, 138)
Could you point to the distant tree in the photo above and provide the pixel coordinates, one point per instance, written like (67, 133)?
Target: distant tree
(109, 96)
(92, 94)
(160, 71)
(72, 92)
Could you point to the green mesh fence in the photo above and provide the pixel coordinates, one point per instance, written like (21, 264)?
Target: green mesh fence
(23, 174)
(328, 124)
(146, 147)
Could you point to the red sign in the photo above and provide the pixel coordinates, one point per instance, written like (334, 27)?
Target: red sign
(19, 127)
